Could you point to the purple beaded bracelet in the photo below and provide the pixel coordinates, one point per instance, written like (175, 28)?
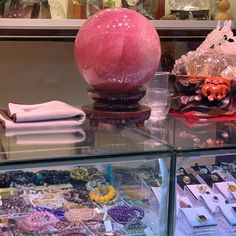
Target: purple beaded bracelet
(123, 214)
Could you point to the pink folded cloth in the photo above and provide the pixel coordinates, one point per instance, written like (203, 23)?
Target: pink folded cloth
(53, 110)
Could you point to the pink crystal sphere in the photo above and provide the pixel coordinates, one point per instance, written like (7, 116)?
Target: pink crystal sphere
(117, 50)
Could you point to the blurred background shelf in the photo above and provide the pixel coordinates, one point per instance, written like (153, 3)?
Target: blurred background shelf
(68, 28)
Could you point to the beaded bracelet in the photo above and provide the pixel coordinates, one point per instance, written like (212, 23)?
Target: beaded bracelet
(22, 178)
(80, 214)
(76, 195)
(79, 173)
(58, 213)
(103, 194)
(123, 214)
(5, 180)
(75, 231)
(15, 204)
(35, 221)
(52, 177)
(136, 227)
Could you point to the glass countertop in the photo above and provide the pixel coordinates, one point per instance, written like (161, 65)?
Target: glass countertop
(185, 135)
(155, 139)
(84, 142)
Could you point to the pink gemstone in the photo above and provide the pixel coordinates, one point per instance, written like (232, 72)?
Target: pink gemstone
(117, 50)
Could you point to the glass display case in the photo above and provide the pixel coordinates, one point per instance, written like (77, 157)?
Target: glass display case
(173, 177)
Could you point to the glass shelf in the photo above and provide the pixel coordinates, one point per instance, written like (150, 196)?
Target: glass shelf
(84, 144)
(163, 138)
(68, 28)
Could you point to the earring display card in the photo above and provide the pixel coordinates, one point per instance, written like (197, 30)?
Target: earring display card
(211, 179)
(184, 180)
(212, 201)
(198, 190)
(227, 189)
(198, 217)
(229, 213)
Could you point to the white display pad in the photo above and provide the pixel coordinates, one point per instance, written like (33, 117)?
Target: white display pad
(211, 203)
(192, 214)
(223, 189)
(194, 190)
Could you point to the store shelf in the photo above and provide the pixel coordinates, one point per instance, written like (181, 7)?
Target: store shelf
(68, 28)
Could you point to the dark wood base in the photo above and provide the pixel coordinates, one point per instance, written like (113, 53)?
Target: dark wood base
(137, 116)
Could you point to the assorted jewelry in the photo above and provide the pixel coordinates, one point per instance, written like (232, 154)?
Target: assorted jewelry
(214, 177)
(202, 189)
(51, 199)
(77, 195)
(136, 227)
(79, 173)
(202, 219)
(7, 225)
(5, 180)
(123, 214)
(80, 214)
(215, 199)
(103, 194)
(22, 178)
(232, 188)
(57, 213)
(15, 204)
(186, 180)
(52, 177)
(35, 221)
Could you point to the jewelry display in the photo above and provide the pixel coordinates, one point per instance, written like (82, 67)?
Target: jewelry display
(48, 199)
(76, 195)
(58, 213)
(214, 177)
(7, 225)
(103, 194)
(202, 219)
(215, 199)
(80, 214)
(74, 231)
(202, 189)
(22, 178)
(36, 221)
(79, 173)
(137, 227)
(232, 188)
(186, 180)
(15, 204)
(52, 177)
(4, 180)
(123, 214)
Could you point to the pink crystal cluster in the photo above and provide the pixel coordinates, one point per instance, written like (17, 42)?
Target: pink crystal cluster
(215, 56)
(117, 50)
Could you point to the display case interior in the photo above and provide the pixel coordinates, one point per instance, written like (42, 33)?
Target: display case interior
(96, 199)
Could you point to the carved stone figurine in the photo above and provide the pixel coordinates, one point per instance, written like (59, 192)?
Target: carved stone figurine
(224, 6)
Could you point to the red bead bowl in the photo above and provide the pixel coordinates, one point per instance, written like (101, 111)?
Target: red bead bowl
(117, 50)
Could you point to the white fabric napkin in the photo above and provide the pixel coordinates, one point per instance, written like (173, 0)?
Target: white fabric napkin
(53, 110)
(49, 116)
(9, 124)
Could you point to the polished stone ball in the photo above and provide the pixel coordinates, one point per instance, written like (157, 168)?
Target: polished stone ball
(117, 50)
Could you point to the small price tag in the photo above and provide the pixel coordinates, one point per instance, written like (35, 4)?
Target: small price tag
(148, 232)
(108, 226)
